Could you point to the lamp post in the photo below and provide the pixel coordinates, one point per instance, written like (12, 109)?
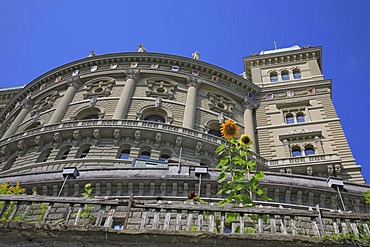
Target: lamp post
(199, 171)
(337, 184)
(68, 172)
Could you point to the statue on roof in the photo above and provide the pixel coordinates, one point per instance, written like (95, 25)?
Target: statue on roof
(196, 55)
(141, 48)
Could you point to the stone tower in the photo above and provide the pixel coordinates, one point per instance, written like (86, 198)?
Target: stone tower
(296, 123)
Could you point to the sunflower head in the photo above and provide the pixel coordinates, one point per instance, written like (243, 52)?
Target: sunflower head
(245, 140)
(229, 129)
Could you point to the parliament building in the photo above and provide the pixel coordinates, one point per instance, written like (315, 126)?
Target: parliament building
(146, 125)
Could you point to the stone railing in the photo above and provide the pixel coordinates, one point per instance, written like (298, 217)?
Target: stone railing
(138, 214)
(309, 160)
(134, 124)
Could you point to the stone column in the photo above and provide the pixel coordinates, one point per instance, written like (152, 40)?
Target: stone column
(26, 106)
(191, 102)
(124, 100)
(249, 128)
(63, 105)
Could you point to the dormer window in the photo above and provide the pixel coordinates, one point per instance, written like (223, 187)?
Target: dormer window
(155, 118)
(309, 150)
(285, 75)
(289, 118)
(296, 151)
(297, 74)
(273, 77)
(300, 117)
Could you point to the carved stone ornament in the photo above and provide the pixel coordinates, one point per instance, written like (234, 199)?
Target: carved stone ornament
(221, 104)
(75, 82)
(76, 137)
(178, 144)
(96, 136)
(338, 170)
(193, 82)
(21, 146)
(161, 88)
(309, 171)
(46, 102)
(39, 142)
(99, 87)
(249, 104)
(116, 137)
(27, 103)
(158, 139)
(137, 137)
(57, 139)
(330, 170)
(198, 148)
(132, 74)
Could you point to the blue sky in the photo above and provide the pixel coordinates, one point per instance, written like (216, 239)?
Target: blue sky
(39, 35)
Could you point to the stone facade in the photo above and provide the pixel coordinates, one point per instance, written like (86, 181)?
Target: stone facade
(141, 122)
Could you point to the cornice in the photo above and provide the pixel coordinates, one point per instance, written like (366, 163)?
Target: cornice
(127, 60)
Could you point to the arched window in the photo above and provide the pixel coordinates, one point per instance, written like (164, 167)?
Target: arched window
(273, 77)
(164, 157)
(92, 116)
(84, 152)
(125, 154)
(145, 155)
(296, 151)
(215, 132)
(285, 75)
(90, 113)
(289, 118)
(63, 153)
(44, 155)
(309, 150)
(297, 74)
(154, 118)
(300, 117)
(33, 125)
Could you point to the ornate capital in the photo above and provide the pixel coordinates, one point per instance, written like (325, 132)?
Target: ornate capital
(75, 82)
(193, 82)
(132, 74)
(249, 104)
(27, 103)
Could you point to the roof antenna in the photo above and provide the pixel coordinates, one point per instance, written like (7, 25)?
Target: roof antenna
(275, 45)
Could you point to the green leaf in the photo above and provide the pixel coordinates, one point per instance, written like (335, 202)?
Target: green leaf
(219, 149)
(223, 161)
(221, 178)
(239, 175)
(228, 192)
(230, 217)
(259, 175)
(237, 160)
(238, 187)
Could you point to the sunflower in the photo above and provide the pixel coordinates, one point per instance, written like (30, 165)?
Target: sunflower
(245, 140)
(229, 129)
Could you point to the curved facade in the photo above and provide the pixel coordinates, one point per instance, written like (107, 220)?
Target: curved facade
(140, 123)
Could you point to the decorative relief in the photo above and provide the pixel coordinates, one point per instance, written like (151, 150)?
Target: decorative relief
(75, 82)
(76, 137)
(193, 82)
(99, 87)
(198, 148)
(96, 136)
(132, 74)
(45, 103)
(220, 103)
(116, 137)
(161, 88)
(178, 144)
(137, 137)
(158, 139)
